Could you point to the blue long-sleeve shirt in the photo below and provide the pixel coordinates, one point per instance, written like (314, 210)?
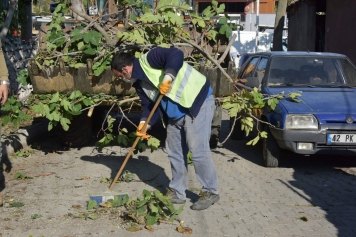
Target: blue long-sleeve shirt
(170, 60)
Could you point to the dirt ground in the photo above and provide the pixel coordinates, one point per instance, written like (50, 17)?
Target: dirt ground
(46, 190)
(255, 201)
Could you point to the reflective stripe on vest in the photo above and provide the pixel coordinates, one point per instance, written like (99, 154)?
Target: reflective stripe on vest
(185, 87)
(151, 91)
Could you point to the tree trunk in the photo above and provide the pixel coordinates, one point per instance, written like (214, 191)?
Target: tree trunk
(112, 6)
(10, 13)
(279, 24)
(79, 6)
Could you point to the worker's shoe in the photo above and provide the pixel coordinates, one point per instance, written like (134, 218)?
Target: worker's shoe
(171, 193)
(206, 200)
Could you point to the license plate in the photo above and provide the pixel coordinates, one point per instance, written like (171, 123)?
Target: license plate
(341, 138)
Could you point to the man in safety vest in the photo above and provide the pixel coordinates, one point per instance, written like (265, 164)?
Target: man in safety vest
(189, 106)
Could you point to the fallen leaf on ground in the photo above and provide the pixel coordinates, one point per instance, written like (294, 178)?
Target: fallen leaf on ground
(16, 204)
(43, 175)
(35, 216)
(134, 228)
(184, 230)
(303, 218)
(148, 227)
(83, 178)
(76, 206)
(106, 204)
(93, 216)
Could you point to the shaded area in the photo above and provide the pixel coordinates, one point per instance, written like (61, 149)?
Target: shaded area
(326, 182)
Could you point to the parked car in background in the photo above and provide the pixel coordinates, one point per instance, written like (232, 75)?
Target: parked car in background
(323, 122)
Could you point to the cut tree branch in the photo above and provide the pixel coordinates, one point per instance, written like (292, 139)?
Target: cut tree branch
(107, 37)
(217, 63)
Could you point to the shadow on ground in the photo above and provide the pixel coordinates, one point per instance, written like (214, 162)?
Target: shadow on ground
(145, 170)
(324, 181)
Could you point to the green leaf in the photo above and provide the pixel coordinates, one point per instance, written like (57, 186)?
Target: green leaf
(132, 17)
(153, 208)
(50, 126)
(222, 29)
(122, 139)
(94, 41)
(56, 116)
(80, 45)
(17, 204)
(77, 37)
(150, 219)
(146, 194)
(86, 38)
(223, 20)
(36, 216)
(89, 51)
(141, 203)
(75, 94)
(66, 104)
(175, 19)
(228, 31)
(153, 143)
(207, 12)
(55, 98)
(95, 34)
(220, 9)
(92, 216)
(150, 17)
(253, 141)
(201, 23)
(87, 102)
(64, 122)
(92, 204)
(263, 134)
(78, 65)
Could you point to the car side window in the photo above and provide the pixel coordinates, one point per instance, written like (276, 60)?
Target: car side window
(248, 72)
(261, 69)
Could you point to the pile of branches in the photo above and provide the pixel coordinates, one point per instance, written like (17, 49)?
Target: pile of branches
(136, 27)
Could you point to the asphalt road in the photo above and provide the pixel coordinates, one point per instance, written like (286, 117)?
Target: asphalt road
(306, 196)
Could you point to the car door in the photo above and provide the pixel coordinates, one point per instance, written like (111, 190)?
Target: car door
(254, 71)
(261, 69)
(248, 71)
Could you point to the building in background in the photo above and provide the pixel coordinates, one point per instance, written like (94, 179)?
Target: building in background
(322, 26)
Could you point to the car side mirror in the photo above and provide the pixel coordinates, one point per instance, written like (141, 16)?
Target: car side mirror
(252, 82)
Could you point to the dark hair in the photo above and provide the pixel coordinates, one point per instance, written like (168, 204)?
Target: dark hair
(121, 60)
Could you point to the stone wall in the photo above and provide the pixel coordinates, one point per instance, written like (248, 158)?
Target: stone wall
(17, 54)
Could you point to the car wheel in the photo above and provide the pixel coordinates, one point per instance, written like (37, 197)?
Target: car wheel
(215, 127)
(271, 150)
(237, 133)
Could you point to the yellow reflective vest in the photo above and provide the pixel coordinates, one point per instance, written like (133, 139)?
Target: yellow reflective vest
(185, 87)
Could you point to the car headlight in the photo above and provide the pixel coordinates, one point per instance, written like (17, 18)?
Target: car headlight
(301, 121)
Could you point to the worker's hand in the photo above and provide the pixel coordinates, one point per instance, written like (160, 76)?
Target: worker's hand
(140, 133)
(4, 91)
(165, 85)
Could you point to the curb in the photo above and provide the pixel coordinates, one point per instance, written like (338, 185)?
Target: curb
(23, 138)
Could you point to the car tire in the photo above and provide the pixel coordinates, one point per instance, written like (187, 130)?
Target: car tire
(271, 150)
(215, 127)
(79, 133)
(237, 133)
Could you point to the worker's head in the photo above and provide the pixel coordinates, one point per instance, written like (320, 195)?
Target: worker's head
(122, 64)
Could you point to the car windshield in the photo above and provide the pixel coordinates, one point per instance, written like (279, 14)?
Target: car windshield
(311, 71)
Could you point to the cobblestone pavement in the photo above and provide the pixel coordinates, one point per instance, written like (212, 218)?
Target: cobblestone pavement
(307, 196)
